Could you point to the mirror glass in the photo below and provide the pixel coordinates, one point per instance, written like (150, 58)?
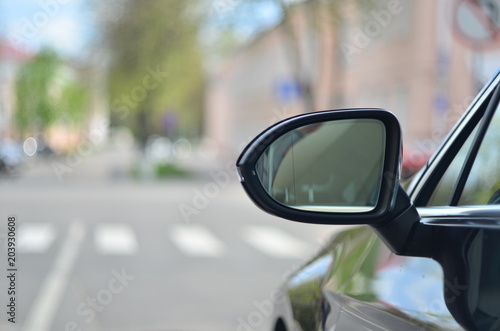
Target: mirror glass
(331, 166)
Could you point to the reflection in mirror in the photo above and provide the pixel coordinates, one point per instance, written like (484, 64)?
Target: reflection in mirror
(332, 166)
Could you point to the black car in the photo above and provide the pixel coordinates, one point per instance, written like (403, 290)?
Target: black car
(429, 258)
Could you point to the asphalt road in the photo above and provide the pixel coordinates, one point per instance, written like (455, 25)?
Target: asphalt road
(96, 251)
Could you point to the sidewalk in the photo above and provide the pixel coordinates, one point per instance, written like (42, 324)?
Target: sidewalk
(98, 163)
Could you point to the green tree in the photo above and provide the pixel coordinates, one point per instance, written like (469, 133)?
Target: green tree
(155, 65)
(35, 109)
(72, 104)
(46, 94)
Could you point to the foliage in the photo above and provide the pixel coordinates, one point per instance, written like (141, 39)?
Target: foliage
(35, 108)
(73, 102)
(46, 94)
(154, 36)
(163, 170)
(160, 170)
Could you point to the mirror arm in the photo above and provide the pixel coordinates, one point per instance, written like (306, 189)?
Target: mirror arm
(403, 233)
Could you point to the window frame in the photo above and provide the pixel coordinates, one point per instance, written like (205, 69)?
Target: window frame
(476, 145)
(423, 186)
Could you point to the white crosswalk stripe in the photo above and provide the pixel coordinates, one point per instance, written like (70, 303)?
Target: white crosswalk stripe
(35, 238)
(115, 239)
(189, 240)
(196, 240)
(275, 242)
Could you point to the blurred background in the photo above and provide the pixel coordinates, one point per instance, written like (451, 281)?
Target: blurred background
(121, 120)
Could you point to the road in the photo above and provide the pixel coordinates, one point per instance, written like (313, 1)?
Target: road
(97, 251)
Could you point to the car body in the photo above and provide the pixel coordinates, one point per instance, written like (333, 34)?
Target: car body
(434, 265)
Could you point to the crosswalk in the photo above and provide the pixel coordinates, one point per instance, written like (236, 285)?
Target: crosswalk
(36, 237)
(193, 240)
(115, 239)
(196, 240)
(275, 242)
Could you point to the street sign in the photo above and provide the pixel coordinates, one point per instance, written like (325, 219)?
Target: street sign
(476, 23)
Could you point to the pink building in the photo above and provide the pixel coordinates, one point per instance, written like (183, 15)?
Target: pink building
(10, 58)
(401, 56)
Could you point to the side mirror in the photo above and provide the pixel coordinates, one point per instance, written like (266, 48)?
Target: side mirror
(342, 167)
(330, 167)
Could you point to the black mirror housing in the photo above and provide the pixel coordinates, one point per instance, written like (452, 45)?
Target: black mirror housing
(388, 183)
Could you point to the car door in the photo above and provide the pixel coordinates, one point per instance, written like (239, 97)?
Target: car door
(369, 288)
(460, 187)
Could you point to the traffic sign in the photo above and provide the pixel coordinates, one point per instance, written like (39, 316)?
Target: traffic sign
(476, 23)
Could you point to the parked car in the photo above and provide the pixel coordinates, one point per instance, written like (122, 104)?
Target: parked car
(425, 257)
(10, 158)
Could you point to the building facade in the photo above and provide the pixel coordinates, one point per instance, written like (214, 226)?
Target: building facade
(400, 55)
(10, 59)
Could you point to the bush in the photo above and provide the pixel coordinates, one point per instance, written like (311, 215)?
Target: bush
(169, 170)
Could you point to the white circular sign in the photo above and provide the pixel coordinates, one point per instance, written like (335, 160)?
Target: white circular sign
(476, 23)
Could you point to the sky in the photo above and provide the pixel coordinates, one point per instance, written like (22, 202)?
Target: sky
(69, 25)
(61, 24)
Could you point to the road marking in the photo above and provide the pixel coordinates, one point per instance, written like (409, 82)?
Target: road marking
(275, 242)
(35, 237)
(44, 308)
(196, 240)
(115, 239)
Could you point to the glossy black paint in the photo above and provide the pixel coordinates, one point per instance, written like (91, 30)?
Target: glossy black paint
(356, 282)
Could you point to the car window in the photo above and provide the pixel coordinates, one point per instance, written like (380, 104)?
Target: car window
(444, 190)
(483, 184)
(483, 181)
